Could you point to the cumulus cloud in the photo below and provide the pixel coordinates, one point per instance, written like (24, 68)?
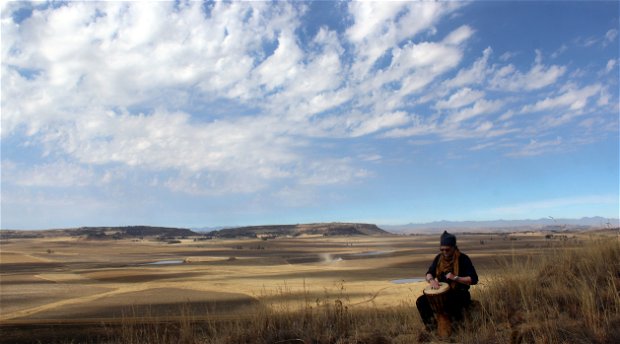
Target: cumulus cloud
(419, 126)
(460, 98)
(380, 26)
(333, 171)
(573, 98)
(227, 97)
(363, 126)
(610, 36)
(280, 67)
(96, 61)
(610, 65)
(539, 76)
(537, 147)
(475, 74)
(480, 107)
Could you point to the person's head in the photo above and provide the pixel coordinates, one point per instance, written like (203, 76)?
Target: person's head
(447, 244)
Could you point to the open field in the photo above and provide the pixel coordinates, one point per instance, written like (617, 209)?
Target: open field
(59, 283)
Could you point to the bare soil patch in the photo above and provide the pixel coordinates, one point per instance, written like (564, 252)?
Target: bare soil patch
(137, 275)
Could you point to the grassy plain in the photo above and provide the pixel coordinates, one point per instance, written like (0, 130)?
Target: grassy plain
(66, 288)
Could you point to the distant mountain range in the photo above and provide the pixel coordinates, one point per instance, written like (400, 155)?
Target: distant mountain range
(505, 225)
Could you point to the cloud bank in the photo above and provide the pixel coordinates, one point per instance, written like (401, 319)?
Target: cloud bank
(218, 98)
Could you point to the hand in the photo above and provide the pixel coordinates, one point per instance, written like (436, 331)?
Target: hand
(450, 276)
(434, 284)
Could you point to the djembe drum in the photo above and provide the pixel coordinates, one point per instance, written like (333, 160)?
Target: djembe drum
(437, 299)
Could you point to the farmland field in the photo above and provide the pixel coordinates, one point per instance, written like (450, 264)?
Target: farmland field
(66, 281)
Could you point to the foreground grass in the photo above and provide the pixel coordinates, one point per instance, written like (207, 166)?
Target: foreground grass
(327, 319)
(566, 295)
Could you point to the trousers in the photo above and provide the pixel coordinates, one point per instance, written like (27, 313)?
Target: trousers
(457, 301)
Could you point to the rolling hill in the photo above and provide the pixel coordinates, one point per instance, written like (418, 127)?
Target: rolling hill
(265, 231)
(323, 229)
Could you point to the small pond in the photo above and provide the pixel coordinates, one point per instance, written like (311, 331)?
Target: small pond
(408, 280)
(166, 262)
(370, 253)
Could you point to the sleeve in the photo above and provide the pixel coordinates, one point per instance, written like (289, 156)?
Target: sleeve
(433, 268)
(467, 269)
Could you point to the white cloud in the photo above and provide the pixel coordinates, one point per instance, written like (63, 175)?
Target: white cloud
(93, 62)
(476, 74)
(507, 56)
(414, 67)
(379, 26)
(372, 18)
(538, 147)
(610, 65)
(172, 141)
(539, 76)
(420, 126)
(120, 59)
(559, 52)
(482, 146)
(335, 171)
(371, 157)
(282, 65)
(574, 99)
(363, 126)
(459, 36)
(215, 183)
(480, 107)
(460, 98)
(427, 55)
(355, 124)
(318, 81)
(610, 36)
(94, 57)
(604, 98)
(122, 84)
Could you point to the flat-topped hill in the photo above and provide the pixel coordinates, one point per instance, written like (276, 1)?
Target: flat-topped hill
(324, 229)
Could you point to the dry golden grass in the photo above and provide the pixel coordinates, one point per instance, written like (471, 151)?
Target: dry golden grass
(565, 295)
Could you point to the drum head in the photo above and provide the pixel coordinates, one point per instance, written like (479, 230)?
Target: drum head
(443, 287)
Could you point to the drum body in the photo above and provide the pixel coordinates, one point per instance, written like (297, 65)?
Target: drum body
(437, 299)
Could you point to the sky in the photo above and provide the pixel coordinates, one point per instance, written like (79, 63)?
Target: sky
(204, 114)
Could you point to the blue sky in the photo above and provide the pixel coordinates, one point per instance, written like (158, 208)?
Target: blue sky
(213, 114)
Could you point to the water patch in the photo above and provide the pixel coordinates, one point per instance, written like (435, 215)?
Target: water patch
(166, 262)
(370, 253)
(408, 280)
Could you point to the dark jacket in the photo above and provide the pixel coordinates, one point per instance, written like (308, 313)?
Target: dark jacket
(466, 268)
